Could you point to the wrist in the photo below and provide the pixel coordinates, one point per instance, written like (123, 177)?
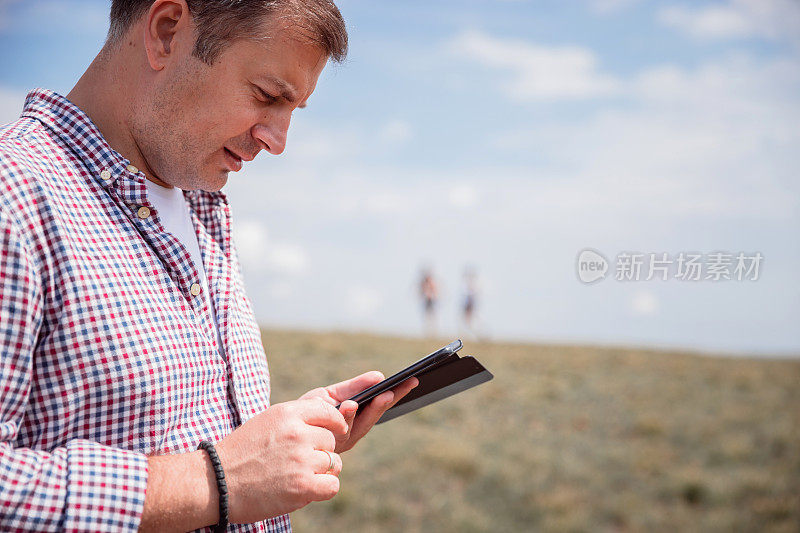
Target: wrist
(206, 500)
(222, 487)
(181, 493)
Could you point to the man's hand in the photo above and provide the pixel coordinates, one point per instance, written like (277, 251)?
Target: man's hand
(276, 462)
(357, 427)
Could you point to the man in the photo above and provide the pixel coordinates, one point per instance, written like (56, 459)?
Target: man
(126, 337)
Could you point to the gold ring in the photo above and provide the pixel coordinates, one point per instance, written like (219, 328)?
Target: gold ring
(330, 466)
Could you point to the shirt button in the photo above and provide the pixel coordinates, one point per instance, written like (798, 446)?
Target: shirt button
(195, 289)
(143, 212)
(105, 174)
(132, 169)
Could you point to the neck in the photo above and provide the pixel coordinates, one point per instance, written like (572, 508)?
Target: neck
(103, 93)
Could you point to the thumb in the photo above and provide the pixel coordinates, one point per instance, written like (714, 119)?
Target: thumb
(348, 408)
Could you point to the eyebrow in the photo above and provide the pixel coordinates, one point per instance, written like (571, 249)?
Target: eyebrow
(287, 91)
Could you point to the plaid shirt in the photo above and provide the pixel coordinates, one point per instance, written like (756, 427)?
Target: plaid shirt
(108, 352)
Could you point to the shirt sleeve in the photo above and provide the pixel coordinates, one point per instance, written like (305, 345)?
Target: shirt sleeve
(82, 486)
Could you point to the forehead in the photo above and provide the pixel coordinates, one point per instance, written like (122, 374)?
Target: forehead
(281, 55)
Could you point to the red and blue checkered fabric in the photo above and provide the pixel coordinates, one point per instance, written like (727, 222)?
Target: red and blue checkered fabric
(105, 354)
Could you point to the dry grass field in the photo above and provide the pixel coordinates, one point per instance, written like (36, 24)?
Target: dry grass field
(563, 439)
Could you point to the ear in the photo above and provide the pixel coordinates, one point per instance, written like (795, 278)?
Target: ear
(168, 30)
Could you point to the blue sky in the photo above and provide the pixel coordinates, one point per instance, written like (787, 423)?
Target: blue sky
(510, 135)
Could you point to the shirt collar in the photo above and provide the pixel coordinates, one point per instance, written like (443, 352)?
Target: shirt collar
(106, 165)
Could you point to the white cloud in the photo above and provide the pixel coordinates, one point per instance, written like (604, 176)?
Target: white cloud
(280, 290)
(537, 72)
(395, 132)
(644, 303)
(362, 301)
(287, 258)
(382, 202)
(251, 241)
(257, 252)
(770, 19)
(688, 141)
(315, 142)
(463, 196)
(688, 157)
(609, 6)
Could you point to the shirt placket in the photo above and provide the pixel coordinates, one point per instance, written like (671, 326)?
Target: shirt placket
(212, 218)
(132, 194)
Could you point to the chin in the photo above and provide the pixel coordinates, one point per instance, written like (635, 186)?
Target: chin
(215, 183)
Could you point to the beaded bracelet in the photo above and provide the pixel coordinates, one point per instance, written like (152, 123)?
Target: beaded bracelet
(222, 487)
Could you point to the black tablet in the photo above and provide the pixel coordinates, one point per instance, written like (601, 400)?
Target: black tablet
(442, 354)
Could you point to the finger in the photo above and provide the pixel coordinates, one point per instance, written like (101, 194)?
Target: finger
(349, 388)
(401, 390)
(349, 409)
(317, 412)
(322, 439)
(319, 392)
(379, 405)
(322, 463)
(324, 487)
(385, 401)
(370, 414)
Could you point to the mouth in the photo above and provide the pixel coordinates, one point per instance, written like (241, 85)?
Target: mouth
(234, 161)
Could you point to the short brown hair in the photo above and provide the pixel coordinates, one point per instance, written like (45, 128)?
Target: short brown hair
(220, 22)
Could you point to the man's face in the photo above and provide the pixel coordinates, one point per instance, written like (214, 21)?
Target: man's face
(203, 120)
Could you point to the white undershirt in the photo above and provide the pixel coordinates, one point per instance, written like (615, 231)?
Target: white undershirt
(176, 219)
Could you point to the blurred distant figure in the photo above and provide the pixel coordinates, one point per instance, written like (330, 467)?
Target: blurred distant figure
(429, 293)
(470, 300)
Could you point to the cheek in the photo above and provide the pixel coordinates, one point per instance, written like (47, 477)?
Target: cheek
(233, 126)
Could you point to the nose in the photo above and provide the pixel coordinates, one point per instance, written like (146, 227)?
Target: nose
(272, 132)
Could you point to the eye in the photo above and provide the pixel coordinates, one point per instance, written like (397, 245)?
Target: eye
(264, 96)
